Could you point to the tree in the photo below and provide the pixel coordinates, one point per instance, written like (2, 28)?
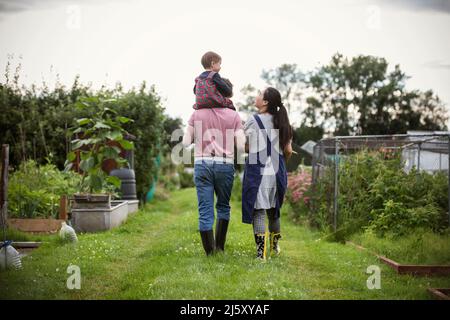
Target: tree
(350, 96)
(170, 125)
(359, 96)
(249, 93)
(303, 134)
(288, 79)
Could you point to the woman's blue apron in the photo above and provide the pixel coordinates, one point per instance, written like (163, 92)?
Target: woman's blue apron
(253, 176)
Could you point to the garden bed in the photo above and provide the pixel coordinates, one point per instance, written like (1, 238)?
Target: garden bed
(24, 248)
(416, 270)
(37, 225)
(133, 205)
(417, 248)
(101, 219)
(24, 245)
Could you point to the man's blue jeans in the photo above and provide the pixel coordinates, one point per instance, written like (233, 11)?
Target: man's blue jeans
(213, 178)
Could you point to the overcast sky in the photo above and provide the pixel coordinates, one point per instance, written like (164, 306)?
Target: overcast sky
(162, 41)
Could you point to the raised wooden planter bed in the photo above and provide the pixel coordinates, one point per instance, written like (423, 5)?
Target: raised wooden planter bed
(24, 248)
(440, 294)
(36, 225)
(41, 225)
(91, 201)
(24, 244)
(413, 269)
(86, 217)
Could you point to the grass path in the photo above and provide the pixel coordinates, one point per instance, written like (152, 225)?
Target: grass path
(157, 254)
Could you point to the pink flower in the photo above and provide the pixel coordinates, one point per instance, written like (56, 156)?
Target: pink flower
(298, 184)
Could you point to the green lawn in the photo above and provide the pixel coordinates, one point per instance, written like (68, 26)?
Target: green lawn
(157, 254)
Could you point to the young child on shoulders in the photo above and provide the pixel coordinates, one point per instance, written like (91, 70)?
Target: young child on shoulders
(210, 89)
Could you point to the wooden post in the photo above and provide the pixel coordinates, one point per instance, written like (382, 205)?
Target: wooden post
(336, 183)
(63, 207)
(4, 187)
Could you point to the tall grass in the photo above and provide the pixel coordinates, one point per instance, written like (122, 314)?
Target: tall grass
(418, 247)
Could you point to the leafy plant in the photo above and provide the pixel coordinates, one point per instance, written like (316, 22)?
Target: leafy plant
(297, 195)
(34, 191)
(298, 183)
(417, 247)
(145, 108)
(97, 133)
(376, 194)
(34, 121)
(169, 179)
(186, 178)
(395, 218)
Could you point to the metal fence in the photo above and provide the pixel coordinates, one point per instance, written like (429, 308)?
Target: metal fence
(425, 151)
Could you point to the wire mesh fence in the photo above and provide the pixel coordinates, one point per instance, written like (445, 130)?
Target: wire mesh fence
(421, 152)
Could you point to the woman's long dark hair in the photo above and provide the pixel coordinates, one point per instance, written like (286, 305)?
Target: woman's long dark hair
(280, 116)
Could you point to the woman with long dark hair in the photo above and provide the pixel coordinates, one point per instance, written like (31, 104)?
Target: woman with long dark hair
(269, 135)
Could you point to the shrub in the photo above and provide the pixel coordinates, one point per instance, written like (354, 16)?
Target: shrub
(395, 218)
(297, 195)
(34, 121)
(375, 193)
(169, 182)
(417, 247)
(168, 179)
(161, 193)
(186, 178)
(34, 191)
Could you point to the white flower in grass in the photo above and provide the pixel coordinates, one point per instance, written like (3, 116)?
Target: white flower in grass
(349, 95)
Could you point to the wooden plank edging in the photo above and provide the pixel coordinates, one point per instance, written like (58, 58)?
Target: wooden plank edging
(413, 269)
(439, 293)
(24, 244)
